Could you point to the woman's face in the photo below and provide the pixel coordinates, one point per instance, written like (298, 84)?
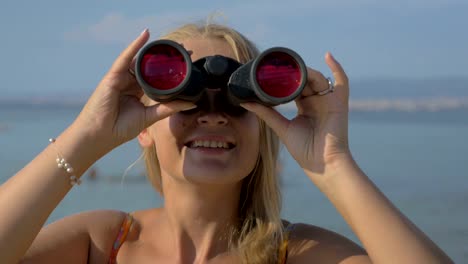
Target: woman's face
(206, 146)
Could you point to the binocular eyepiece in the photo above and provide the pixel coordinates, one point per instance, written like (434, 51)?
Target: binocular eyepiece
(165, 72)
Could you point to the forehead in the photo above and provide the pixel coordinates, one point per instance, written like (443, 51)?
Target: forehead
(202, 47)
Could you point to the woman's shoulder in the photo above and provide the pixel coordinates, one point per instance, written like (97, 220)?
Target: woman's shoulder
(312, 243)
(86, 235)
(109, 229)
(140, 221)
(98, 224)
(102, 226)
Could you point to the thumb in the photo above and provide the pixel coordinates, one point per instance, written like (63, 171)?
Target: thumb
(272, 118)
(160, 111)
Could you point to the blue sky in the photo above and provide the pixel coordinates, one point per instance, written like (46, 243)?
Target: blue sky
(62, 48)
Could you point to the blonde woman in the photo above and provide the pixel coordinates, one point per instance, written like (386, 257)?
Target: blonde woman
(220, 206)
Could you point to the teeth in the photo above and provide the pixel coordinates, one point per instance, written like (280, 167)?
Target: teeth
(209, 144)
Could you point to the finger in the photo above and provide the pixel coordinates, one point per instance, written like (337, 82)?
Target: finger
(131, 67)
(337, 70)
(133, 89)
(123, 62)
(317, 82)
(272, 118)
(160, 111)
(139, 93)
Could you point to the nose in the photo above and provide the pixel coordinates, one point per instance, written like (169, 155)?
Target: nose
(211, 115)
(212, 119)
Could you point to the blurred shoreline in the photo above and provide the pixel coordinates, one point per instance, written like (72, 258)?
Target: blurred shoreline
(428, 104)
(410, 105)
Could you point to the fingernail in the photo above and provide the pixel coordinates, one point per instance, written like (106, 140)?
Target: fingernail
(188, 107)
(144, 31)
(246, 105)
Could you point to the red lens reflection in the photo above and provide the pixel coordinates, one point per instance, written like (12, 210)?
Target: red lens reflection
(278, 74)
(163, 67)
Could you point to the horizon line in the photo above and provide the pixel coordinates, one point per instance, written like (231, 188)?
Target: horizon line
(405, 104)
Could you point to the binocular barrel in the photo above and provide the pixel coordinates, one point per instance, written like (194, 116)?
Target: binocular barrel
(165, 72)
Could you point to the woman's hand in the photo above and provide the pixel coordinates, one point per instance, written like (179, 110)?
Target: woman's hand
(114, 114)
(318, 135)
(318, 139)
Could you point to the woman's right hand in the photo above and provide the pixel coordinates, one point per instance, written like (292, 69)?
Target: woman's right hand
(114, 113)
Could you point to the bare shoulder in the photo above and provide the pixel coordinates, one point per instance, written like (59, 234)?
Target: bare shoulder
(308, 243)
(85, 237)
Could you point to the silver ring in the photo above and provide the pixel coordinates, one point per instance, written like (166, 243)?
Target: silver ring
(330, 89)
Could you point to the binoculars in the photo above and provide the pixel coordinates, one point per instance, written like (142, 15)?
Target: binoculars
(165, 72)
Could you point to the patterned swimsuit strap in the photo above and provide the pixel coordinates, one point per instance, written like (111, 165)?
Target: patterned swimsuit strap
(283, 250)
(120, 239)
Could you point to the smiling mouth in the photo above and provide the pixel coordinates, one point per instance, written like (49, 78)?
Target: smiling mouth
(212, 144)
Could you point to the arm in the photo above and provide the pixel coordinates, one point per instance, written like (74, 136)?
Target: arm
(112, 116)
(88, 241)
(317, 138)
(387, 235)
(28, 198)
(312, 244)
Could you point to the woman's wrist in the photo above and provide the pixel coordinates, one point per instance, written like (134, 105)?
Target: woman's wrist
(80, 147)
(337, 166)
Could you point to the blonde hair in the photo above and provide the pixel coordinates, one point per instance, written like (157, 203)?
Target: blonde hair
(257, 238)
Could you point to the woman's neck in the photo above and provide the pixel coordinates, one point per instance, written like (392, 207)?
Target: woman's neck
(200, 218)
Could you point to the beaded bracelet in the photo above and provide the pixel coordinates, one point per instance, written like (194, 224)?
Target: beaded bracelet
(62, 164)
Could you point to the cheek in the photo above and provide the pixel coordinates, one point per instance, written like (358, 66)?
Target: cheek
(164, 138)
(178, 124)
(251, 151)
(253, 124)
(168, 135)
(170, 128)
(253, 131)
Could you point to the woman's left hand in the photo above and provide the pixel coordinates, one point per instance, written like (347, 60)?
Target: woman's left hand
(318, 135)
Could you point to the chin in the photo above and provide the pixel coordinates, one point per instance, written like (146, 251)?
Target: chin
(213, 176)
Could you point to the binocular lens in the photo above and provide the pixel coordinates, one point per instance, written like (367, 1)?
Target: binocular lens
(165, 71)
(163, 67)
(278, 74)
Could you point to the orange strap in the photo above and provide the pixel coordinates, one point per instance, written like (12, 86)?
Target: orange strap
(283, 250)
(124, 228)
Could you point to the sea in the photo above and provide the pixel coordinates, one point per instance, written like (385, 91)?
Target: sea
(419, 160)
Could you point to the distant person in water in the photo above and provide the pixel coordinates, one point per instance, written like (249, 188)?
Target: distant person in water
(92, 173)
(216, 172)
